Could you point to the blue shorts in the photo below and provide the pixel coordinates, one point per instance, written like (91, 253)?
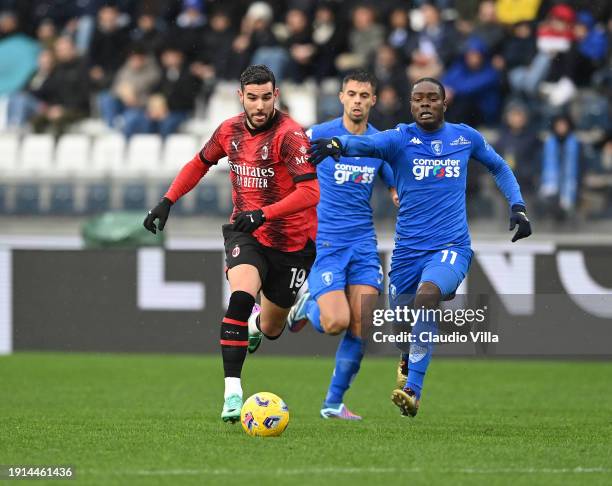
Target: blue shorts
(338, 266)
(445, 268)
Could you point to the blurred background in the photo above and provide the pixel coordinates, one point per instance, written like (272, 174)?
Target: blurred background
(102, 102)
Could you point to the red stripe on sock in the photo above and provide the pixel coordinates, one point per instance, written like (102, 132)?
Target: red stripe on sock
(227, 320)
(227, 342)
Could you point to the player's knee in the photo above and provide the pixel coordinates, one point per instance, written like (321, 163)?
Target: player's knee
(428, 296)
(335, 324)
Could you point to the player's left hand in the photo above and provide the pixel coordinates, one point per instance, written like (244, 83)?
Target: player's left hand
(249, 221)
(524, 226)
(321, 148)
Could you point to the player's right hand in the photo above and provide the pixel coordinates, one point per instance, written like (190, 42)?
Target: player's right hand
(321, 148)
(161, 212)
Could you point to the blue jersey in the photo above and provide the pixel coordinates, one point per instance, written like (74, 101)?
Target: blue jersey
(430, 172)
(344, 212)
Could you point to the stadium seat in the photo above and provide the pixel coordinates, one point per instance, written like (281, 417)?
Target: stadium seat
(62, 199)
(72, 155)
(301, 99)
(178, 150)
(9, 151)
(97, 199)
(223, 103)
(36, 156)
(107, 156)
(27, 199)
(135, 197)
(143, 157)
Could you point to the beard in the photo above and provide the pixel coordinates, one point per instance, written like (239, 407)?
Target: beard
(257, 124)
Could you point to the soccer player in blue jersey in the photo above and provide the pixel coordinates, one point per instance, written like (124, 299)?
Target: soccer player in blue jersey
(432, 252)
(347, 265)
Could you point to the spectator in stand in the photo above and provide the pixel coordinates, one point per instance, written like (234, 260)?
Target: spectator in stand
(552, 62)
(61, 12)
(18, 55)
(560, 169)
(215, 60)
(69, 98)
(590, 50)
(107, 50)
(488, 28)
(22, 106)
(46, 33)
(510, 12)
(329, 39)
(299, 45)
(388, 111)
(123, 106)
(433, 48)
(473, 87)
(174, 99)
(558, 86)
(519, 145)
(399, 29)
(518, 49)
(599, 178)
(256, 44)
(365, 36)
(189, 29)
(387, 68)
(148, 31)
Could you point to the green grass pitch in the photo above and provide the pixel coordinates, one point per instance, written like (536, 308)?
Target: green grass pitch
(147, 419)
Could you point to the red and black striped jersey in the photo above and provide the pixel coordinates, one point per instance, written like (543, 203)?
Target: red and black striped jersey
(265, 164)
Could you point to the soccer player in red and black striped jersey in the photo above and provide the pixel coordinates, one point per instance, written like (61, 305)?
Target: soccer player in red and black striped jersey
(269, 241)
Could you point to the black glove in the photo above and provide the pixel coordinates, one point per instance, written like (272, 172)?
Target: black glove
(161, 212)
(324, 147)
(519, 217)
(249, 221)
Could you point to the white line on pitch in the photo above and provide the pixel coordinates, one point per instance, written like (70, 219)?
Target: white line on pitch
(348, 470)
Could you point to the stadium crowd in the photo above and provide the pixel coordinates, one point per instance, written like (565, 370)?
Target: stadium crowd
(536, 75)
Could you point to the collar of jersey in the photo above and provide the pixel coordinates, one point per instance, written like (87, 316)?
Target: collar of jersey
(368, 130)
(425, 133)
(263, 128)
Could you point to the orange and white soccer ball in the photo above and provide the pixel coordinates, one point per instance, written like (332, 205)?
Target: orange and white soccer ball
(264, 415)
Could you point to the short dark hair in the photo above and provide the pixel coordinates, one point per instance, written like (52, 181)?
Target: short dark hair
(431, 80)
(257, 74)
(361, 76)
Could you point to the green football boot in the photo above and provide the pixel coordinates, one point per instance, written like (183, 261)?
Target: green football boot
(231, 408)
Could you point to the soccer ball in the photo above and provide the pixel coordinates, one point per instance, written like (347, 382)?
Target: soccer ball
(264, 415)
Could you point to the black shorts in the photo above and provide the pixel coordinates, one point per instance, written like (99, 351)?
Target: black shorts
(282, 273)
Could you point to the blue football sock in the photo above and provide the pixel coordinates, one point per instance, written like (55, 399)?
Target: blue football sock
(420, 355)
(314, 314)
(348, 361)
